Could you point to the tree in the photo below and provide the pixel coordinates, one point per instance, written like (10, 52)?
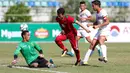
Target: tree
(18, 13)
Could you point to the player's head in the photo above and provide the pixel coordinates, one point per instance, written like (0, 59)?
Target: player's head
(25, 35)
(60, 13)
(82, 5)
(96, 4)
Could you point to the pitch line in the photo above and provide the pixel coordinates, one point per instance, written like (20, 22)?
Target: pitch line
(34, 69)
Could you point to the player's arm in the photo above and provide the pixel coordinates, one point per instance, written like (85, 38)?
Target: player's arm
(62, 31)
(105, 18)
(77, 22)
(106, 22)
(17, 51)
(87, 18)
(38, 48)
(92, 24)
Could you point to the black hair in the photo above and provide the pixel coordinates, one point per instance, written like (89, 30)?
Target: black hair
(97, 2)
(24, 32)
(83, 2)
(61, 11)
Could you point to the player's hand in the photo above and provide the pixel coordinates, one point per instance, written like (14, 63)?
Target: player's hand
(88, 25)
(14, 62)
(41, 55)
(88, 31)
(96, 26)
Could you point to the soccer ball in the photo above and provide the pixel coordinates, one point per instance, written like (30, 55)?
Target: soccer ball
(23, 27)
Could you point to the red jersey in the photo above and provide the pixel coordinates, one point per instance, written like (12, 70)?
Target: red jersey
(67, 24)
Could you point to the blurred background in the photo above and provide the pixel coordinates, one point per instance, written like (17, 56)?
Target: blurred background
(41, 14)
(45, 10)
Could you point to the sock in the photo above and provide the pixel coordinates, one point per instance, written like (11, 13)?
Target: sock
(77, 52)
(87, 55)
(104, 51)
(91, 53)
(99, 50)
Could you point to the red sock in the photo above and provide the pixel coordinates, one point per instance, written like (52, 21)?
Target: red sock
(77, 52)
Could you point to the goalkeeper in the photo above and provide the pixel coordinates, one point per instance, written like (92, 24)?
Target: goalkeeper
(28, 50)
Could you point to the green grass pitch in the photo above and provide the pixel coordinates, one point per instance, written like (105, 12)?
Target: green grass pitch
(118, 59)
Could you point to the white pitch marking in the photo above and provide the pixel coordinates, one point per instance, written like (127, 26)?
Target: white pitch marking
(26, 68)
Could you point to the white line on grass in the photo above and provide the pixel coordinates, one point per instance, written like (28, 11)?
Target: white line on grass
(34, 69)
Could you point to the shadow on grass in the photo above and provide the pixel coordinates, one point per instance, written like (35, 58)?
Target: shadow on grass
(85, 65)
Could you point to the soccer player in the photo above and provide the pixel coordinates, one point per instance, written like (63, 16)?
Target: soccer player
(28, 50)
(68, 32)
(84, 17)
(100, 37)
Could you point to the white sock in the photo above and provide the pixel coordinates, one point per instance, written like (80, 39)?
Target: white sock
(91, 53)
(104, 51)
(87, 55)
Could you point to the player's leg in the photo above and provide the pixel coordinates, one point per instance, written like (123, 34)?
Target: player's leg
(103, 37)
(102, 40)
(91, 48)
(88, 53)
(77, 38)
(74, 45)
(97, 46)
(39, 62)
(42, 62)
(34, 65)
(99, 50)
(86, 35)
(59, 40)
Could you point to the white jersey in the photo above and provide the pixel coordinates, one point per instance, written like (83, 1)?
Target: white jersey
(100, 18)
(84, 14)
(104, 30)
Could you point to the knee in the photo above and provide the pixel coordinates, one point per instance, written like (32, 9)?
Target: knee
(92, 46)
(101, 42)
(34, 65)
(57, 40)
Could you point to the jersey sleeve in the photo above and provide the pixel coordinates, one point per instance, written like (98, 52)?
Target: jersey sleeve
(71, 19)
(17, 51)
(88, 14)
(37, 47)
(104, 14)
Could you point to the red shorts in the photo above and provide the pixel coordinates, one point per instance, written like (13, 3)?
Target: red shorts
(71, 37)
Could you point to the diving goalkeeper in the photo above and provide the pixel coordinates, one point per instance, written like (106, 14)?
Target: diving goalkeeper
(28, 50)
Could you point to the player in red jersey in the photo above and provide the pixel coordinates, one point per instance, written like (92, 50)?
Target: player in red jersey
(68, 32)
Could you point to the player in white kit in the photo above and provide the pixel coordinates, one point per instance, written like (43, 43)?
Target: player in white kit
(84, 17)
(100, 37)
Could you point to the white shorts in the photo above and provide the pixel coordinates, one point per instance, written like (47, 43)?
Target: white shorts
(102, 33)
(82, 33)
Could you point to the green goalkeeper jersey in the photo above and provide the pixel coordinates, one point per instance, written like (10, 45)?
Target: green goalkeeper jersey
(28, 50)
